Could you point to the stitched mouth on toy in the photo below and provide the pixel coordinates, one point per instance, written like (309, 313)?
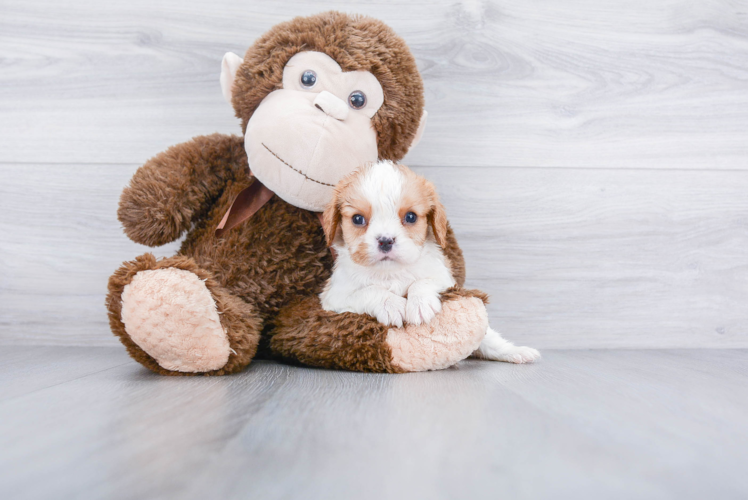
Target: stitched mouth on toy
(294, 169)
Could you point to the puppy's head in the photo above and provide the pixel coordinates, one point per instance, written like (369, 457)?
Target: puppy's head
(385, 213)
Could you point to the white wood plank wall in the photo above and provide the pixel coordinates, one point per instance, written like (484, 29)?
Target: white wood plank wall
(593, 156)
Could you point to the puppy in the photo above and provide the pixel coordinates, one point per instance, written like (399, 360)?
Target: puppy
(388, 228)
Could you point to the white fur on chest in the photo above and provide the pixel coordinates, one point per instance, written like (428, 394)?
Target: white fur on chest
(348, 278)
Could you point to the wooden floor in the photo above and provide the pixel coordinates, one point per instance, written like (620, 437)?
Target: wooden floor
(78, 422)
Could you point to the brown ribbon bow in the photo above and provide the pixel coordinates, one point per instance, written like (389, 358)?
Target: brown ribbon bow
(249, 201)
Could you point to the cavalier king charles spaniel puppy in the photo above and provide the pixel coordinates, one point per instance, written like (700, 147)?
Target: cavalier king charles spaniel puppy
(387, 228)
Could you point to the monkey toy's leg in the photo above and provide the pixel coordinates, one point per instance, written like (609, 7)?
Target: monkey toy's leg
(308, 334)
(172, 316)
(175, 319)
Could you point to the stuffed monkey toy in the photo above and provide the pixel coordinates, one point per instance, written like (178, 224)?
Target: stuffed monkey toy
(317, 97)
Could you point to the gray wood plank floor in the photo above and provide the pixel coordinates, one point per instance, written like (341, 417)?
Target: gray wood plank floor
(80, 422)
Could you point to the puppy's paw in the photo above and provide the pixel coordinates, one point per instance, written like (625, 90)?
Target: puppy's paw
(422, 308)
(523, 354)
(392, 311)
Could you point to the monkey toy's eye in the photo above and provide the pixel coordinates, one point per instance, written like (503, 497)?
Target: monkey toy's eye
(308, 79)
(357, 99)
(358, 220)
(410, 218)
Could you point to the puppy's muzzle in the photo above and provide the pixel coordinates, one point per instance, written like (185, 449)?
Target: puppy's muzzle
(385, 244)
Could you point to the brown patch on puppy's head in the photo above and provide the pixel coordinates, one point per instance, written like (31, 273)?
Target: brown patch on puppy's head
(354, 235)
(337, 219)
(356, 43)
(383, 212)
(416, 198)
(420, 197)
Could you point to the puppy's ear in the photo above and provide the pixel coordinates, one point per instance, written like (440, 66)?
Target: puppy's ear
(331, 219)
(438, 221)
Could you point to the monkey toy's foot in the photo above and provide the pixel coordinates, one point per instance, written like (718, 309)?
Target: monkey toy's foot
(174, 318)
(171, 315)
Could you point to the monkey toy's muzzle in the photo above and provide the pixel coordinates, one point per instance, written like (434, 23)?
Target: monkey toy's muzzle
(300, 144)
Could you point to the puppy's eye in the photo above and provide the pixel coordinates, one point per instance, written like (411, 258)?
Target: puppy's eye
(410, 218)
(358, 220)
(357, 99)
(308, 79)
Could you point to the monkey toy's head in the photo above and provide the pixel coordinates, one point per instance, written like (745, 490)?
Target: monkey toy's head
(320, 96)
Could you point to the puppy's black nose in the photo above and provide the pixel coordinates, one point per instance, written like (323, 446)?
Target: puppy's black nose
(385, 244)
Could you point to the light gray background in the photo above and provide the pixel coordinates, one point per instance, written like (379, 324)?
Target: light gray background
(592, 155)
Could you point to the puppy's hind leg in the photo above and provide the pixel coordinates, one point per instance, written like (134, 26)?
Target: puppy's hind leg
(495, 348)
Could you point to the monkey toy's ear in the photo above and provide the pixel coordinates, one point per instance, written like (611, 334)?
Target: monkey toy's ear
(419, 132)
(229, 66)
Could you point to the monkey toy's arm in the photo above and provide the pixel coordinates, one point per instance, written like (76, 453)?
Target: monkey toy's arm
(176, 187)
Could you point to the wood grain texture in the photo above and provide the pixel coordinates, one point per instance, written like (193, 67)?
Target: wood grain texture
(574, 84)
(571, 258)
(580, 424)
(606, 258)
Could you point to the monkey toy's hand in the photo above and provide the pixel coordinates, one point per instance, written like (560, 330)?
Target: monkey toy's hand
(176, 187)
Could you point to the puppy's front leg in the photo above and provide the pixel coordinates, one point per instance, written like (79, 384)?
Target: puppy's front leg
(423, 301)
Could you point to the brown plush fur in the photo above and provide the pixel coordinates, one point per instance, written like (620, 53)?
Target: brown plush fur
(266, 273)
(453, 252)
(345, 341)
(356, 43)
(177, 187)
(457, 292)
